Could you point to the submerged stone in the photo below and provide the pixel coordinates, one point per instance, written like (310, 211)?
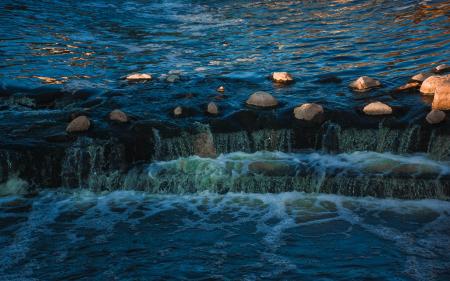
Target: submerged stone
(172, 78)
(282, 77)
(421, 76)
(262, 99)
(365, 83)
(435, 116)
(377, 108)
(441, 98)
(118, 115)
(212, 108)
(139, 77)
(308, 111)
(408, 86)
(79, 124)
(431, 83)
(178, 111)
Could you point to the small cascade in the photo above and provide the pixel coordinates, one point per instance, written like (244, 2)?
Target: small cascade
(96, 164)
(439, 146)
(383, 139)
(355, 174)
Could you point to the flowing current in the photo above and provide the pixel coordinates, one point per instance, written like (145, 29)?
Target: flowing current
(127, 235)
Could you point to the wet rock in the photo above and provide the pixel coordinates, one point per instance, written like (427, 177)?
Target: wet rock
(364, 83)
(441, 98)
(408, 86)
(308, 111)
(282, 77)
(118, 115)
(204, 145)
(139, 77)
(377, 108)
(435, 116)
(212, 108)
(79, 124)
(178, 111)
(262, 99)
(441, 68)
(172, 78)
(431, 83)
(421, 76)
(221, 89)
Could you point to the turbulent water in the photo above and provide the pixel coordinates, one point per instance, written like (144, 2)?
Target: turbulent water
(139, 201)
(124, 235)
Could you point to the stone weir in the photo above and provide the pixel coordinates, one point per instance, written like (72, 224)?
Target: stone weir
(158, 157)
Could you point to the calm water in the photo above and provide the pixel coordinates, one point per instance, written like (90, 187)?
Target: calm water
(92, 44)
(128, 235)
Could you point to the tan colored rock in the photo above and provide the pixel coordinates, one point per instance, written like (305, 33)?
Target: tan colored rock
(308, 111)
(221, 89)
(282, 77)
(431, 83)
(118, 115)
(408, 86)
(212, 108)
(139, 77)
(441, 98)
(262, 99)
(377, 108)
(421, 76)
(79, 124)
(365, 83)
(178, 111)
(442, 68)
(435, 116)
(204, 145)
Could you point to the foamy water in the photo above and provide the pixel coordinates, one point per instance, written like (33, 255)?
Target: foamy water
(128, 235)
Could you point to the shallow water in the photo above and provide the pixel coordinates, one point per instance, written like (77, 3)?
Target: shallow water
(125, 235)
(211, 43)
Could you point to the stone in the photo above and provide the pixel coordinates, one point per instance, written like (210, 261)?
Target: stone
(212, 108)
(431, 83)
(365, 83)
(435, 116)
(79, 124)
(308, 111)
(139, 77)
(282, 77)
(172, 78)
(408, 86)
(221, 89)
(118, 115)
(441, 98)
(262, 99)
(421, 76)
(204, 145)
(377, 108)
(178, 111)
(441, 68)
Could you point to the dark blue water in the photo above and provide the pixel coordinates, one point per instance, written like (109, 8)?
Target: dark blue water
(90, 45)
(289, 236)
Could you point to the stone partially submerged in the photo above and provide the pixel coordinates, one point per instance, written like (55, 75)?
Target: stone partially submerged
(377, 108)
(262, 99)
(431, 83)
(282, 77)
(364, 83)
(308, 111)
(79, 124)
(421, 76)
(435, 116)
(212, 108)
(139, 77)
(441, 98)
(118, 115)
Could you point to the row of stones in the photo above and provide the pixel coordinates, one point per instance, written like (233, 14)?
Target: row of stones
(430, 84)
